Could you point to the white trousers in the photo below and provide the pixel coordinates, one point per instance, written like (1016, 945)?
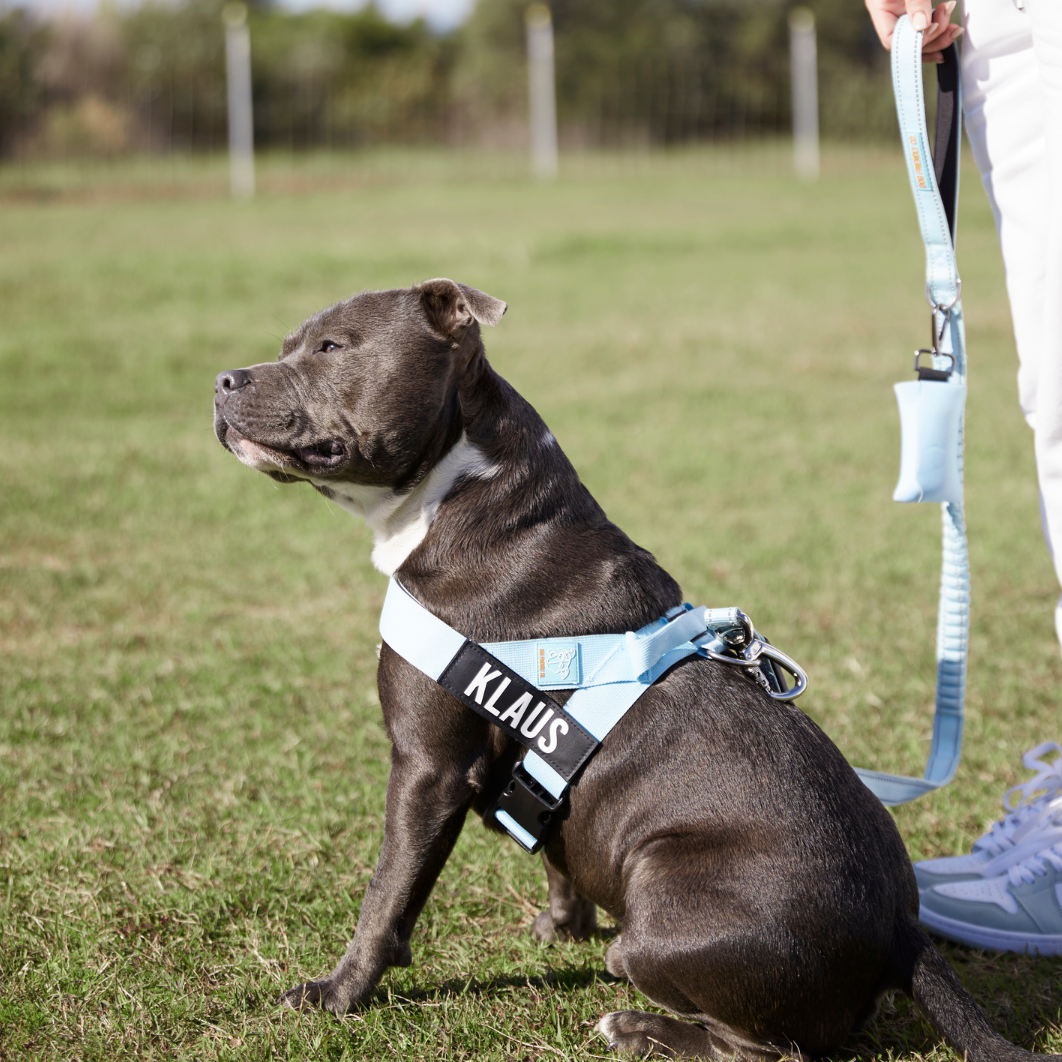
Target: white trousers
(1012, 98)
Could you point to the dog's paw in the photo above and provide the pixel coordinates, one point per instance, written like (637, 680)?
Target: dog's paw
(544, 928)
(323, 994)
(638, 1033)
(580, 926)
(630, 1032)
(307, 995)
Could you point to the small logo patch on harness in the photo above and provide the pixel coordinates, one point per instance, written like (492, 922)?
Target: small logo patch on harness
(558, 664)
(528, 715)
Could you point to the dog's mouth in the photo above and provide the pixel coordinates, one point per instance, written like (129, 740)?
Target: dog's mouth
(327, 454)
(284, 465)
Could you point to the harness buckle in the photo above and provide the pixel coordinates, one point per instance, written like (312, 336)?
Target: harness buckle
(529, 805)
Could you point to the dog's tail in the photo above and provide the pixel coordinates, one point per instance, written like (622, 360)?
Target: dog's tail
(924, 974)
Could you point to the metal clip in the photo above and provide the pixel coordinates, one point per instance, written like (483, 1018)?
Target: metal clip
(934, 374)
(753, 657)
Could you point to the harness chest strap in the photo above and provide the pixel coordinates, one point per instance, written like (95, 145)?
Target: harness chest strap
(507, 682)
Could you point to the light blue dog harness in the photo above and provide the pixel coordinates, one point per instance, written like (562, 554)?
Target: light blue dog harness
(508, 684)
(931, 407)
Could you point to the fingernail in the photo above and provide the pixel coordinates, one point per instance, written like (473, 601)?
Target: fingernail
(959, 31)
(919, 21)
(950, 6)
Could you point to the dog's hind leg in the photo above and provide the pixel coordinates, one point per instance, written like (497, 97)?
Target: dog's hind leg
(638, 1033)
(569, 915)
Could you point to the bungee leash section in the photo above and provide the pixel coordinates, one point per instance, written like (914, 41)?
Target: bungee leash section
(507, 683)
(932, 406)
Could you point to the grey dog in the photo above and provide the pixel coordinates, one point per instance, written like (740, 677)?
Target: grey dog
(764, 894)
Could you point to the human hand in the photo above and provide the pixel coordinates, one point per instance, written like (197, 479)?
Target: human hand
(937, 31)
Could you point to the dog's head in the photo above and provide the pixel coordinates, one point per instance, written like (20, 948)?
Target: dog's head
(364, 392)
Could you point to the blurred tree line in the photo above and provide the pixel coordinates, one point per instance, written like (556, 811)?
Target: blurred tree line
(152, 78)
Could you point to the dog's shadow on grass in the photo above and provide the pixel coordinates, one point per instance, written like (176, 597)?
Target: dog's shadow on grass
(564, 979)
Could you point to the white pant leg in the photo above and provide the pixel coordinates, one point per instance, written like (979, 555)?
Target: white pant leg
(1002, 102)
(1012, 89)
(1046, 17)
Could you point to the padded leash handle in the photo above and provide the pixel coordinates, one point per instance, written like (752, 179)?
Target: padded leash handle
(932, 407)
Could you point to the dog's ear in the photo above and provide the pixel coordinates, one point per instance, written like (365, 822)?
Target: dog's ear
(452, 307)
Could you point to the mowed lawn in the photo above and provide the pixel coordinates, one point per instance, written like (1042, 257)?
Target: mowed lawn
(192, 761)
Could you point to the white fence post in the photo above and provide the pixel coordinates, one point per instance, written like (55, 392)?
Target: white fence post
(241, 121)
(541, 91)
(804, 71)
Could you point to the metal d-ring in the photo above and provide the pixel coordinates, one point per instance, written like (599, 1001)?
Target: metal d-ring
(747, 635)
(939, 306)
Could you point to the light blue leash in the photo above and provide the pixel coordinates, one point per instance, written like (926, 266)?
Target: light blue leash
(931, 407)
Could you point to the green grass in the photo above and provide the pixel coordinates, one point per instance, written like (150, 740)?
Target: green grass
(192, 764)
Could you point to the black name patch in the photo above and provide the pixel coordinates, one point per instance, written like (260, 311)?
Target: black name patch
(524, 712)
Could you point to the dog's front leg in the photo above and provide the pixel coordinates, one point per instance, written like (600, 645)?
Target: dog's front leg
(569, 915)
(426, 807)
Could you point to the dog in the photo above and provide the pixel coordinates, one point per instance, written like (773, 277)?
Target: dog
(764, 895)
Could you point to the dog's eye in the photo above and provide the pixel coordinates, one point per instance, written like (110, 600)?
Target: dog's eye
(327, 347)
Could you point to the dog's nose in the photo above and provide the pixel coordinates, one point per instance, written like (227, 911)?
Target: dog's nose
(230, 381)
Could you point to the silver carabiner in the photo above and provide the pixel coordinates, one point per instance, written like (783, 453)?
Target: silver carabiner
(787, 663)
(749, 659)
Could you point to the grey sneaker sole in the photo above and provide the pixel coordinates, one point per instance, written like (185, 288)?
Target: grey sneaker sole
(983, 937)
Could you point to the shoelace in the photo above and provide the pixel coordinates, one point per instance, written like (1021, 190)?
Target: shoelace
(1028, 870)
(1026, 812)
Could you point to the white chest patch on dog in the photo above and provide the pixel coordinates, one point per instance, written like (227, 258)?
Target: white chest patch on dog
(400, 521)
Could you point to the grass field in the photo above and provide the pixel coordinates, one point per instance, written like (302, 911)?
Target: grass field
(192, 765)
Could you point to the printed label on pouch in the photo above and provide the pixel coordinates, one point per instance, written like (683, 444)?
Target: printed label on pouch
(525, 713)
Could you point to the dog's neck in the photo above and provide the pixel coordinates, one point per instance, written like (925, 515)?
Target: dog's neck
(399, 520)
(501, 540)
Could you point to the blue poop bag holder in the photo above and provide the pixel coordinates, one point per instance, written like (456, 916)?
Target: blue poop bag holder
(931, 407)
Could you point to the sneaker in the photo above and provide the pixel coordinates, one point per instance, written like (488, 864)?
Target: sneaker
(1023, 831)
(1020, 910)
